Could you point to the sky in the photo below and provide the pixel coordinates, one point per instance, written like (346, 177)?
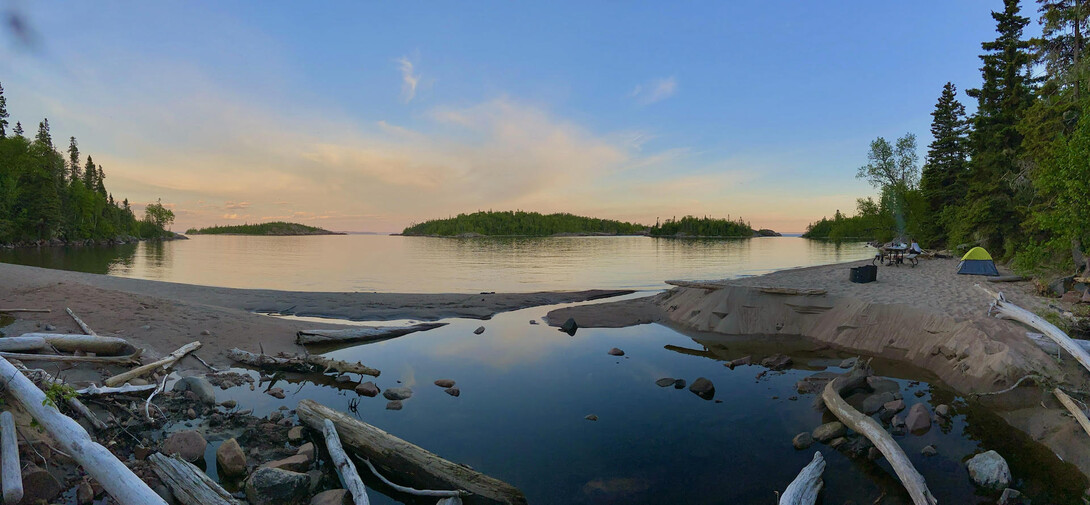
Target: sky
(370, 116)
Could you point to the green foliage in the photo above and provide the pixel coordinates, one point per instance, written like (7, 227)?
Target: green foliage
(690, 226)
(159, 216)
(519, 223)
(58, 392)
(945, 173)
(271, 228)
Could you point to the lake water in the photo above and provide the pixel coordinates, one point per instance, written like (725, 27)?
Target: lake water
(433, 265)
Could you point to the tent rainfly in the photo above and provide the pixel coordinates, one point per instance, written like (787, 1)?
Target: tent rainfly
(977, 262)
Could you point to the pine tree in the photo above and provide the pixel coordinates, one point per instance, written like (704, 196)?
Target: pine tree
(945, 169)
(89, 174)
(18, 129)
(43, 136)
(1060, 48)
(100, 187)
(3, 114)
(73, 160)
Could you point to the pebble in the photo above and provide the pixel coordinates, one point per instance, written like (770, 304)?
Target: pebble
(205, 332)
(228, 404)
(276, 393)
(533, 321)
(479, 330)
(665, 381)
(191, 414)
(453, 391)
(398, 393)
(444, 383)
(616, 352)
(188, 444)
(368, 389)
(591, 417)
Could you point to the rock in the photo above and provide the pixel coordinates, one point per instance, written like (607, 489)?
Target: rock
(230, 459)
(919, 394)
(295, 434)
(332, 497)
(1071, 297)
(883, 385)
(838, 442)
(445, 383)
(275, 393)
(679, 384)
(393, 405)
(943, 411)
(142, 453)
(569, 327)
(138, 382)
(894, 406)
(164, 493)
(703, 388)
(802, 441)
(918, 419)
(665, 381)
(533, 321)
(591, 417)
(1012, 497)
(874, 454)
(273, 486)
(776, 362)
(296, 463)
(315, 479)
(50, 327)
(897, 422)
(989, 470)
(739, 362)
(479, 330)
(306, 450)
(398, 393)
(39, 484)
(1085, 299)
(199, 386)
(1058, 286)
(275, 416)
(190, 445)
(616, 352)
(814, 383)
(228, 404)
(85, 494)
(874, 403)
(191, 414)
(829, 431)
(453, 391)
(341, 379)
(368, 389)
(848, 363)
(205, 332)
(929, 451)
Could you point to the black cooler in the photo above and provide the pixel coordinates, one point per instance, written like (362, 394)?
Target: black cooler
(864, 274)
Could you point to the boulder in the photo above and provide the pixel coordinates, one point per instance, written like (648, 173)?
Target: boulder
(368, 389)
(199, 386)
(829, 431)
(398, 393)
(295, 434)
(296, 463)
(306, 450)
(230, 459)
(776, 362)
(189, 445)
(454, 391)
(569, 327)
(616, 352)
(918, 419)
(802, 441)
(943, 411)
(664, 382)
(445, 383)
(874, 403)
(273, 486)
(39, 485)
(332, 497)
(1012, 497)
(703, 388)
(989, 470)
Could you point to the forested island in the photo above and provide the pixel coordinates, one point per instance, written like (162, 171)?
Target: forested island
(534, 224)
(47, 198)
(274, 228)
(1014, 176)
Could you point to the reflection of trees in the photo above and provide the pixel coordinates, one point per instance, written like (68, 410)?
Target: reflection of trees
(158, 254)
(96, 260)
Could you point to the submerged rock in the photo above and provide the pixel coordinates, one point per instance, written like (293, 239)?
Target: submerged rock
(929, 451)
(664, 382)
(776, 362)
(199, 386)
(1012, 497)
(453, 391)
(679, 384)
(273, 486)
(394, 405)
(479, 330)
(703, 388)
(398, 393)
(368, 389)
(918, 420)
(616, 352)
(802, 441)
(739, 362)
(189, 445)
(989, 470)
(883, 385)
(332, 497)
(943, 411)
(569, 327)
(874, 403)
(230, 459)
(591, 417)
(445, 383)
(829, 431)
(276, 393)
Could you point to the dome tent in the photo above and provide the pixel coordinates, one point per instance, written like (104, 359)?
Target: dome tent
(977, 262)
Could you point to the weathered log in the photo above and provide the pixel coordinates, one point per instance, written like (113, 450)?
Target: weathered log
(360, 333)
(164, 363)
(407, 462)
(10, 471)
(1074, 409)
(26, 310)
(310, 363)
(131, 358)
(438, 493)
(1006, 278)
(120, 482)
(46, 380)
(1004, 309)
(868, 427)
(29, 342)
(82, 325)
(189, 484)
(94, 390)
(805, 488)
(344, 465)
(1050, 346)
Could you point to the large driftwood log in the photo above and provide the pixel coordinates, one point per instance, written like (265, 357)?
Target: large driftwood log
(10, 471)
(45, 380)
(1048, 345)
(188, 483)
(805, 488)
(127, 359)
(1074, 409)
(122, 484)
(868, 427)
(31, 342)
(94, 390)
(82, 325)
(413, 491)
(344, 465)
(360, 333)
(309, 363)
(405, 461)
(1004, 309)
(164, 363)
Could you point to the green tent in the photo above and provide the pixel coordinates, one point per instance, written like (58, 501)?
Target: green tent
(977, 262)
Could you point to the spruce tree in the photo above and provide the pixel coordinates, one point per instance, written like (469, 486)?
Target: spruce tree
(1062, 44)
(18, 129)
(100, 186)
(43, 136)
(3, 114)
(945, 169)
(73, 160)
(89, 174)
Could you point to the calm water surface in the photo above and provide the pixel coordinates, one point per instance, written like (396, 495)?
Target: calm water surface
(423, 265)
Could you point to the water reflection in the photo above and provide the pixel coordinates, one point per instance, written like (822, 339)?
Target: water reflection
(97, 260)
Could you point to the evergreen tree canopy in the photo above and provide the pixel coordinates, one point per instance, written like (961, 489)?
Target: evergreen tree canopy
(3, 114)
(18, 129)
(73, 160)
(945, 171)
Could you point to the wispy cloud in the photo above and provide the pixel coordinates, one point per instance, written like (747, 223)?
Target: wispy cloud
(409, 80)
(236, 205)
(653, 91)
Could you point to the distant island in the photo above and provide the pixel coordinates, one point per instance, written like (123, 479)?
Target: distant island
(275, 228)
(534, 224)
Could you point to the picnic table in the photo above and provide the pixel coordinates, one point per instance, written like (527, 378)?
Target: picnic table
(893, 255)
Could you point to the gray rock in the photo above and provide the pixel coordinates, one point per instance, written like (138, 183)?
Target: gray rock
(838, 442)
(398, 393)
(275, 416)
(295, 463)
(829, 431)
(894, 406)
(394, 405)
(703, 388)
(39, 484)
(276, 393)
(591, 417)
(230, 459)
(929, 451)
(943, 411)
(332, 497)
(368, 389)
(802, 441)
(479, 330)
(873, 403)
(679, 384)
(533, 321)
(306, 450)
(273, 486)
(295, 434)
(883, 385)
(1012, 497)
(989, 470)
(918, 419)
(190, 445)
(445, 383)
(664, 382)
(453, 391)
(341, 379)
(199, 386)
(228, 404)
(776, 362)
(569, 327)
(897, 422)
(616, 352)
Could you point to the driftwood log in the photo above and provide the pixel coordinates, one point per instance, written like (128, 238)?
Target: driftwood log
(868, 427)
(43, 342)
(189, 484)
(1004, 309)
(1074, 409)
(1050, 346)
(164, 363)
(120, 482)
(25, 310)
(44, 380)
(127, 359)
(805, 488)
(345, 468)
(360, 333)
(10, 472)
(82, 325)
(414, 491)
(407, 462)
(94, 390)
(310, 363)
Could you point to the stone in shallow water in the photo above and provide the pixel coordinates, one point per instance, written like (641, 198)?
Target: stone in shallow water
(918, 420)
(776, 362)
(591, 417)
(873, 403)
(679, 384)
(989, 470)
(479, 330)
(943, 411)
(368, 389)
(883, 385)
(230, 459)
(453, 391)
(189, 445)
(445, 383)
(398, 393)
(703, 388)
(929, 451)
(664, 382)
(829, 431)
(569, 327)
(802, 441)
(199, 386)
(393, 405)
(273, 486)
(616, 352)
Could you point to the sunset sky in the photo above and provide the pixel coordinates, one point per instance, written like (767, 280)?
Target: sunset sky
(369, 116)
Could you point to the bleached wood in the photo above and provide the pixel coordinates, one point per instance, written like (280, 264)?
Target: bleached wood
(407, 462)
(73, 403)
(1050, 346)
(189, 484)
(438, 493)
(360, 333)
(10, 472)
(1074, 409)
(164, 363)
(82, 325)
(805, 488)
(65, 342)
(344, 465)
(868, 427)
(300, 363)
(130, 358)
(26, 310)
(94, 390)
(1004, 309)
(120, 482)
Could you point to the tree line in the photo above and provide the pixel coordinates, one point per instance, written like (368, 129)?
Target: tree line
(1014, 176)
(49, 197)
(520, 223)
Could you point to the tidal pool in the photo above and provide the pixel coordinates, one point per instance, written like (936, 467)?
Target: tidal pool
(526, 389)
